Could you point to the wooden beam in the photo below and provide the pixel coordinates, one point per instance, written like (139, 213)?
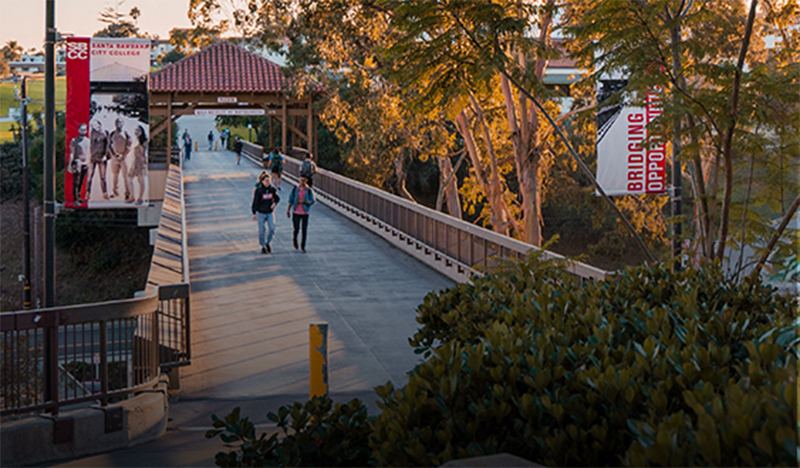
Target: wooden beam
(284, 122)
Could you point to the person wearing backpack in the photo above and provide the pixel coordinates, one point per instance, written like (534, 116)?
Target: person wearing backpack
(300, 201)
(308, 169)
(237, 148)
(276, 167)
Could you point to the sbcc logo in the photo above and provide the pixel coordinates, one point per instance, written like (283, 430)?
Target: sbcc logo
(77, 51)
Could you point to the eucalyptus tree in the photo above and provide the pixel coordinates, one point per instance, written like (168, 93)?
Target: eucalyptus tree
(732, 102)
(446, 55)
(336, 45)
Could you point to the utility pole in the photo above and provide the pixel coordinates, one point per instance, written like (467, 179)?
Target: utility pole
(49, 156)
(51, 332)
(26, 209)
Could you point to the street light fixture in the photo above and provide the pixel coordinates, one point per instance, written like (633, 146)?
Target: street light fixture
(250, 132)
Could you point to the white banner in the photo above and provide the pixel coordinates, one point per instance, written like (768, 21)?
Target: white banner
(229, 112)
(626, 163)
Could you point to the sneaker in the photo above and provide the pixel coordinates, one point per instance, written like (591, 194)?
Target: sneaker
(294, 243)
(263, 250)
(303, 250)
(269, 249)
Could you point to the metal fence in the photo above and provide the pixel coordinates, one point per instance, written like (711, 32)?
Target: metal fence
(63, 356)
(452, 246)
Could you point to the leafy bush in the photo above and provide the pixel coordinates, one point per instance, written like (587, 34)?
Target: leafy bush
(649, 367)
(648, 363)
(319, 434)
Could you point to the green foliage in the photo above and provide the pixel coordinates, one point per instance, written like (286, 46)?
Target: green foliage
(317, 433)
(531, 362)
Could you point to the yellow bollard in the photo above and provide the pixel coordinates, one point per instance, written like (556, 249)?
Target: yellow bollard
(215, 146)
(318, 359)
(195, 146)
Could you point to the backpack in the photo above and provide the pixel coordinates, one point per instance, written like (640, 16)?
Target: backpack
(276, 161)
(306, 169)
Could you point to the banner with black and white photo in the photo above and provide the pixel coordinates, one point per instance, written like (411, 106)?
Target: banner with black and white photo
(631, 159)
(108, 125)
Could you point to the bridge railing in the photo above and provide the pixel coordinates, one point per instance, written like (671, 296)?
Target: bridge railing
(453, 247)
(55, 357)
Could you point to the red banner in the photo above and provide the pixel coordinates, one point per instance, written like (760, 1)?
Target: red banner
(78, 98)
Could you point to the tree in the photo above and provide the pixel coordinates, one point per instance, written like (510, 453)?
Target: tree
(119, 24)
(732, 104)
(10, 52)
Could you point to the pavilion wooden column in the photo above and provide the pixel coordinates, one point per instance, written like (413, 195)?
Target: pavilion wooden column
(309, 126)
(284, 124)
(169, 130)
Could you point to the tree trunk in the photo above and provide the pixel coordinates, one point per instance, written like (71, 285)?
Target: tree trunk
(448, 188)
(497, 213)
(400, 185)
(727, 144)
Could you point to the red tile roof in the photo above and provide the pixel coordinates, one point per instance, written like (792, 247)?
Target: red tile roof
(219, 68)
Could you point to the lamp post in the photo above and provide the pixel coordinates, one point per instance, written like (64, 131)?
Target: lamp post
(26, 215)
(250, 132)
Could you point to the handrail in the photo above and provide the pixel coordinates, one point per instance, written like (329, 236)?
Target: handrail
(121, 346)
(453, 246)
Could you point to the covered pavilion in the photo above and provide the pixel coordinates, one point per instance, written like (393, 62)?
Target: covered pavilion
(226, 79)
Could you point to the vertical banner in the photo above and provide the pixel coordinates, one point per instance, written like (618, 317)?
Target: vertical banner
(108, 125)
(630, 158)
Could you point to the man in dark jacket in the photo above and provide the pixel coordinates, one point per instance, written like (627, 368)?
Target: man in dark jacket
(265, 199)
(237, 147)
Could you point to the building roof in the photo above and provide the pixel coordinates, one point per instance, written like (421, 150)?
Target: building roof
(223, 67)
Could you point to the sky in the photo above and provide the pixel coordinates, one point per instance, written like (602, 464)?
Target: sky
(23, 20)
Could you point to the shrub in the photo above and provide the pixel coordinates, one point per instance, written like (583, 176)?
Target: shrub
(320, 433)
(649, 367)
(626, 370)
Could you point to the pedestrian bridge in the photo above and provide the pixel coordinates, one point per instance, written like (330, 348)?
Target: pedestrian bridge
(230, 325)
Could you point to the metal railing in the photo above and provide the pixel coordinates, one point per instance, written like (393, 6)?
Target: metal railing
(61, 356)
(454, 247)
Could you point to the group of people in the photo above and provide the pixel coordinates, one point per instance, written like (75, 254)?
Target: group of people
(224, 136)
(266, 198)
(99, 149)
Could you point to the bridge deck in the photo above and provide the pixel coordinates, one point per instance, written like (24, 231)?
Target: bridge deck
(251, 312)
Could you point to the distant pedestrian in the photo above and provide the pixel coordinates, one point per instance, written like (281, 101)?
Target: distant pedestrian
(308, 169)
(210, 139)
(265, 199)
(222, 136)
(276, 167)
(300, 201)
(237, 147)
(187, 145)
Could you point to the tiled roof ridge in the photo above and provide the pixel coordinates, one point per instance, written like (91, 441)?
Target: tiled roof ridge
(220, 67)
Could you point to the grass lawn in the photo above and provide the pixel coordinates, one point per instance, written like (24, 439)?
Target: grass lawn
(35, 93)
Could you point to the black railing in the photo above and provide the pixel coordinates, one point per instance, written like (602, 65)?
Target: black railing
(63, 356)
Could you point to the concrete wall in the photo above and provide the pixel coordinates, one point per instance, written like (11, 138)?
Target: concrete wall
(31, 441)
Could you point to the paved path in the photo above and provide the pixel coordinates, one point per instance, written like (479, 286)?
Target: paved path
(250, 312)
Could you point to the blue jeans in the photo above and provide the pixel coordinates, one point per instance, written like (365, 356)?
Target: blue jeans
(265, 218)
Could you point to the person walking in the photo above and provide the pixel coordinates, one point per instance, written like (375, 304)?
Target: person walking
(265, 199)
(276, 167)
(187, 145)
(300, 200)
(237, 148)
(210, 139)
(308, 169)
